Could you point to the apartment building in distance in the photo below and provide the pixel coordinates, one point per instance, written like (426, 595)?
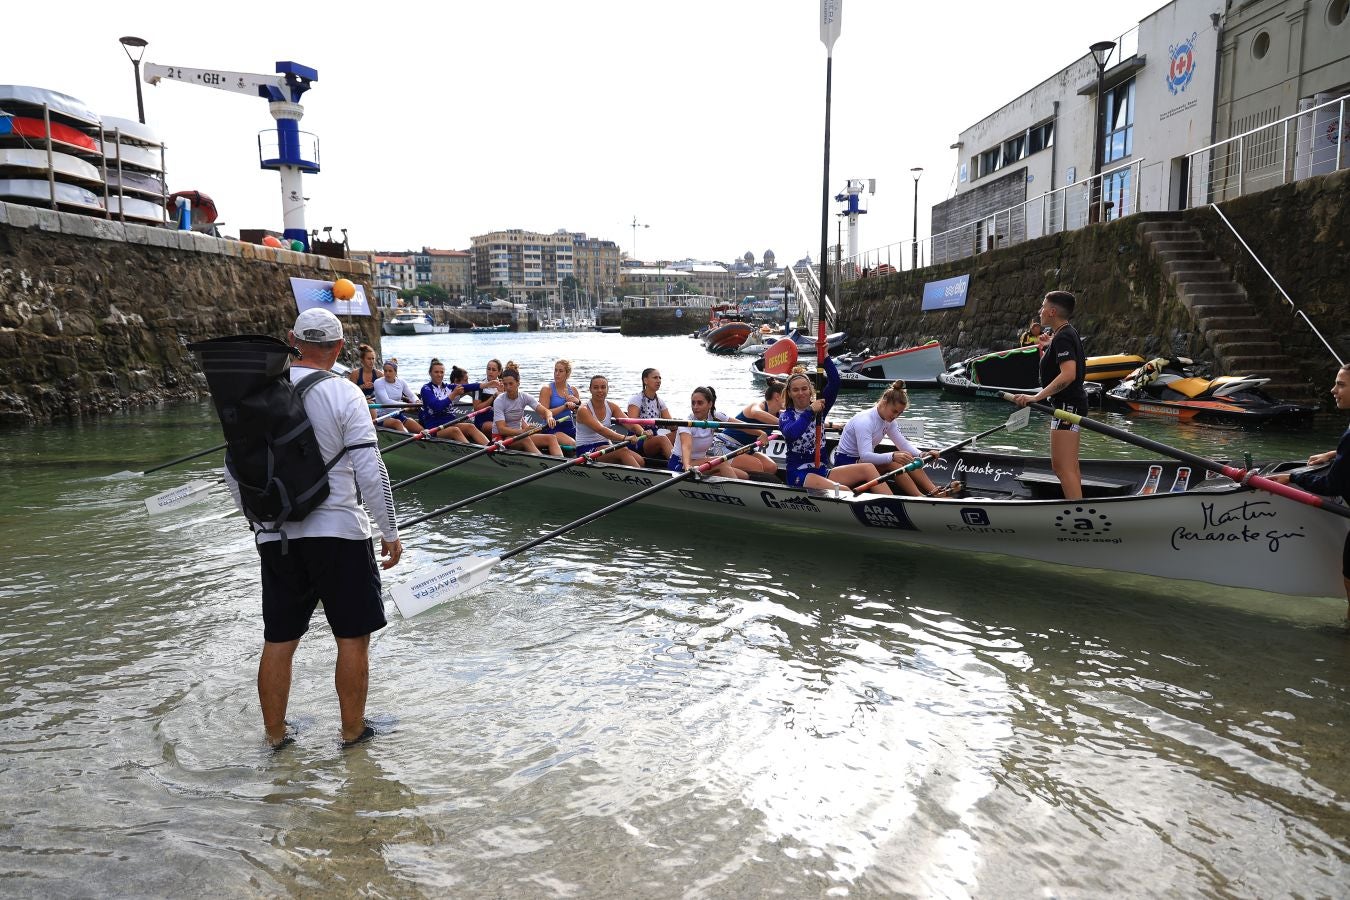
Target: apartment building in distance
(451, 270)
(595, 264)
(526, 264)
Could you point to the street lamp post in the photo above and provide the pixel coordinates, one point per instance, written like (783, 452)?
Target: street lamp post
(1101, 51)
(130, 43)
(914, 247)
(636, 226)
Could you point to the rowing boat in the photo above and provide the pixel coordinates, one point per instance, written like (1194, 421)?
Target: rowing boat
(1155, 519)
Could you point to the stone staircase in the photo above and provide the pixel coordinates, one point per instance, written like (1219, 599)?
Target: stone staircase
(1238, 337)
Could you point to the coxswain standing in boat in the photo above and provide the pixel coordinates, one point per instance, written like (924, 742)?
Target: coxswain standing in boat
(1335, 481)
(1062, 371)
(560, 397)
(364, 375)
(647, 404)
(799, 421)
(438, 408)
(856, 452)
(693, 446)
(327, 556)
(756, 465)
(508, 414)
(596, 427)
(390, 390)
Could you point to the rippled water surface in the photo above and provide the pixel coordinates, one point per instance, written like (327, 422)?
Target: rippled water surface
(654, 705)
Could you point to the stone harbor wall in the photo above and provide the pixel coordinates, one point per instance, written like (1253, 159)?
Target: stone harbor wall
(96, 315)
(1126, 302)
(661, 320)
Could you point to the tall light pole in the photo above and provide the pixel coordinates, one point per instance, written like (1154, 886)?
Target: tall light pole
(130, 43)
(1101, 51)
(914, 247)
(636, 226)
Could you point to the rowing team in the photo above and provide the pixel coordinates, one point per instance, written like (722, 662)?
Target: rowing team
(574, 427)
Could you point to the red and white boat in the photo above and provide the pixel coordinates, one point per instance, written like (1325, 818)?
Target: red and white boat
(725, 334)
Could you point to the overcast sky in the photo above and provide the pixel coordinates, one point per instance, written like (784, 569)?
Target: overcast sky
(701, 118)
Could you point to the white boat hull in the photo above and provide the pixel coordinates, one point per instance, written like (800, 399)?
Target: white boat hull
(33, 191)
(923, 363)
(33, 161)
(1222, 534)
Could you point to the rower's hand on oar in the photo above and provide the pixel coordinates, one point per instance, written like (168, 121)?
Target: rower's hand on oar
(551, 422)
(1282, 478)
(902, 457)
(1321, 459)
(393, 550)
(1022, 399)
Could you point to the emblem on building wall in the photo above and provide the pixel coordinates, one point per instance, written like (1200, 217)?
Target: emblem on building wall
(1182, 69)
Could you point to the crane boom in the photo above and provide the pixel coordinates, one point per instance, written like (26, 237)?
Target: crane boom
(235, 82)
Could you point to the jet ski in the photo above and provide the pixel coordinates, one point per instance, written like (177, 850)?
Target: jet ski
(1173, 387)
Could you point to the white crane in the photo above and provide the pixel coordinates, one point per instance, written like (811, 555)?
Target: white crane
(290, 151)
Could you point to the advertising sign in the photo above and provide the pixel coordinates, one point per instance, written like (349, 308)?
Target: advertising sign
(310, 292)
(945, 294)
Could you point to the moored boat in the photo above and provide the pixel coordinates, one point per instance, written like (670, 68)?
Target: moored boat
(1190, 528)
(726, 337)
(1015, 371)
(32, 161)
(490, 329)
(919, 365)
(35, 191)
(1171, 389)
(406, 323)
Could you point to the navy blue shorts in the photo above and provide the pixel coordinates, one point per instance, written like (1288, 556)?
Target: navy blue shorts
(338, 572)
(796, 477)
(583, 449)
(844, 459)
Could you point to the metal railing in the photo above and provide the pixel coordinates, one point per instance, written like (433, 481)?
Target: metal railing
(1063, 209)
(1313, 141)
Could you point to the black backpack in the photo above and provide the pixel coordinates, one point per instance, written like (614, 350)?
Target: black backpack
(272, 450)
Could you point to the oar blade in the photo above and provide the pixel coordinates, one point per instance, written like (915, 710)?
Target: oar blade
(1018, 420)
(418, 596)
(177, 498)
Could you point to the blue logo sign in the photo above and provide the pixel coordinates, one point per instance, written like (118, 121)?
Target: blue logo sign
(946, 294)
(1182, 68)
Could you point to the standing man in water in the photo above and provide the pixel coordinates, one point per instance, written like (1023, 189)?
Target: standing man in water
(327, 556)
(1062, 370)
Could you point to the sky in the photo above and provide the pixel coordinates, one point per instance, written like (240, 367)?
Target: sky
(701, 120)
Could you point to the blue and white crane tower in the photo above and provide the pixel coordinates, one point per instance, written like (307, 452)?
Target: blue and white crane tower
(851, 197)
(286, 149)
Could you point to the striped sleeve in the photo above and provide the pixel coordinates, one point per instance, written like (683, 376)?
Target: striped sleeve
(372, 479)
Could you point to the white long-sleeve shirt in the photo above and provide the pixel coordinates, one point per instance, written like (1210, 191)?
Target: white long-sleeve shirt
(865, 430)
(337, 409)
(398, 392)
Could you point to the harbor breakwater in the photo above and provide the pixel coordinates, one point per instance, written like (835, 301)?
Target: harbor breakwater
(96, 315)
(1126, 302)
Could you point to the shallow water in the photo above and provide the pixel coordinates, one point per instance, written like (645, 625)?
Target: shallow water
(653, 705)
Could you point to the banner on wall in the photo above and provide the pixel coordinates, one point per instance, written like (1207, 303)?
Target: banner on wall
(311, 292)
(945, 294)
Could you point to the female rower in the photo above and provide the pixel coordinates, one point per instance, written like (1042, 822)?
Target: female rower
(460, 380)
(508, 413)
(856, 459)
(560, 397)
(1335, 481)
(692, 445)
(364, 375)
(438, 406)
(645, 404)
(392, 389)
(766, 411)
(596, 426)
(483, 392)
(798, 422)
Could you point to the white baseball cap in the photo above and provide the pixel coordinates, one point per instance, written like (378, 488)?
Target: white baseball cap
(317, 326)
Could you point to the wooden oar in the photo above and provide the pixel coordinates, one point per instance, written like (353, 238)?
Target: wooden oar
(193, 491)
(1016, 422)
(534, 476)
(1241, 476)
(172, 462)
(493, 447)
(694, 423)
(430, 432)
(447, 583)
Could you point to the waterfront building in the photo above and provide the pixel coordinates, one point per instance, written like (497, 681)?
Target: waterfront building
(595, 265)
(1190, 74)
(711, 279)
(527, 264)
(398, 270)
(451, 271)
